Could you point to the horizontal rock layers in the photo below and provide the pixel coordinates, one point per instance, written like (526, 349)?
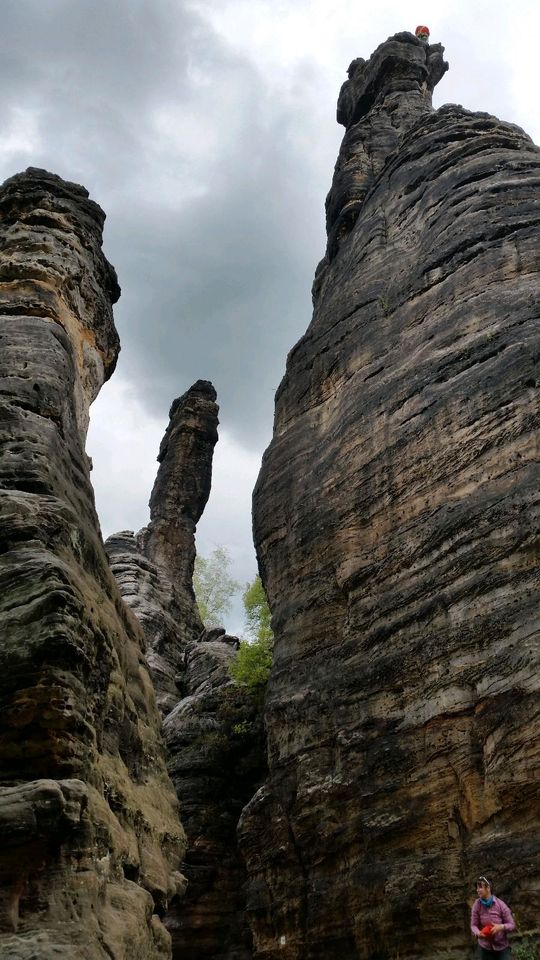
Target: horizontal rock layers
(396, 522)
(217, 760)
(154, 568)
(212, 727)
(91, 836)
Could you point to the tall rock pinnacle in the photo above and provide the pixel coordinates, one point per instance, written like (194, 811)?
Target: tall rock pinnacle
(212, 726)
(395, 519)
(382, 100)
(154, 568)
(90, 831)
(183, 483)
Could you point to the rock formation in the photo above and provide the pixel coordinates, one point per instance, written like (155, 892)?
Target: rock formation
(90, 833)
(154, 568)
(217, 760)
(213, 728)
(396, 523)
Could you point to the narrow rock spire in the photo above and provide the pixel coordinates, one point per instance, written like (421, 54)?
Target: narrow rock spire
(383, 98)
(154, 568)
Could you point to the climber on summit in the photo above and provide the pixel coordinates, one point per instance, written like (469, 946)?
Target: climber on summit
(422, 33)
(491, 920)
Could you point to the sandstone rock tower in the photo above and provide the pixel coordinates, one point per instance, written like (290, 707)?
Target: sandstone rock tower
(212, 727)
(90, 831)
(396, 522)
(154, 568)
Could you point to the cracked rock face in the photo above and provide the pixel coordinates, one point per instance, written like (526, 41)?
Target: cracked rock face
(89, 817)
(154, 568)
(396, 523)
(216, 746)
(212, 727)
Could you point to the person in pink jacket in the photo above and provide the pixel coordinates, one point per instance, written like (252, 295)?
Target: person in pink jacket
(491, 921)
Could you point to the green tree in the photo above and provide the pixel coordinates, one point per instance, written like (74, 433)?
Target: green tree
(214, 587)
(251, 665)
(258, 616)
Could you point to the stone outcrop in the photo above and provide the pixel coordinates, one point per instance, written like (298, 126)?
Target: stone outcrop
(154, 568)
(88, 815)
(213, 728)
(393, 89)
(217, 760)
(396, 523)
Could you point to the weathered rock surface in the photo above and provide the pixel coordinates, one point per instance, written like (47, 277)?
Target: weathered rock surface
(154, 568)
(91, 837)
(396, 522)
(213, 727)
(217, 760)
(393, 89)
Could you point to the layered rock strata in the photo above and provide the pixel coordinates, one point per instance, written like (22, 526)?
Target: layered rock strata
(213, 727)
(154, 568)
(217, 760)
(396, 523)
(91, 836)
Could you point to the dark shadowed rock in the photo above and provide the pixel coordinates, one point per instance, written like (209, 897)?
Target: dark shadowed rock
(396, 522)
(88, 816)
(382, 99)
(216, 746)
(213, 727)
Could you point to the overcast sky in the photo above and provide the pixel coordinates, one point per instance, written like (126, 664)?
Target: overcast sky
(206, 130)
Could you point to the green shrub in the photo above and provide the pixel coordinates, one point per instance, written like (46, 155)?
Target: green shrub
(251, 665)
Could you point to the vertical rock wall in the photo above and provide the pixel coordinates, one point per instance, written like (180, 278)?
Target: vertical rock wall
(396, 523)
(90, 831)
(216, 746)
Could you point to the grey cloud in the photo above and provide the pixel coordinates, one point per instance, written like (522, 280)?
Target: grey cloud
(227, 281)
(215, 244)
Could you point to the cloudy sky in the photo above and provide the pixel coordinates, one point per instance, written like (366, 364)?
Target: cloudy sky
(206, 130)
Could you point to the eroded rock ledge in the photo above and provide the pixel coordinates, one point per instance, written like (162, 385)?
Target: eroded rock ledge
(90, 817)
(396, 523)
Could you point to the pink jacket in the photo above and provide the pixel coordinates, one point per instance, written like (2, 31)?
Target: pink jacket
(498, 912)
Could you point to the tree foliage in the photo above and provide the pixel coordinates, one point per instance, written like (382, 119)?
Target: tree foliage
(258, 614)
(214, 587)
(252, 663)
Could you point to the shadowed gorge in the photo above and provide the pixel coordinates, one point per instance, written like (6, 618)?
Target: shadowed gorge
(396, 524)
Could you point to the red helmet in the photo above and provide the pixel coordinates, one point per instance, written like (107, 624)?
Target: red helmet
(421, 32)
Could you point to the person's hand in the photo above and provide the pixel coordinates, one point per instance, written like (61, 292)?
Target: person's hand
(497, 928)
